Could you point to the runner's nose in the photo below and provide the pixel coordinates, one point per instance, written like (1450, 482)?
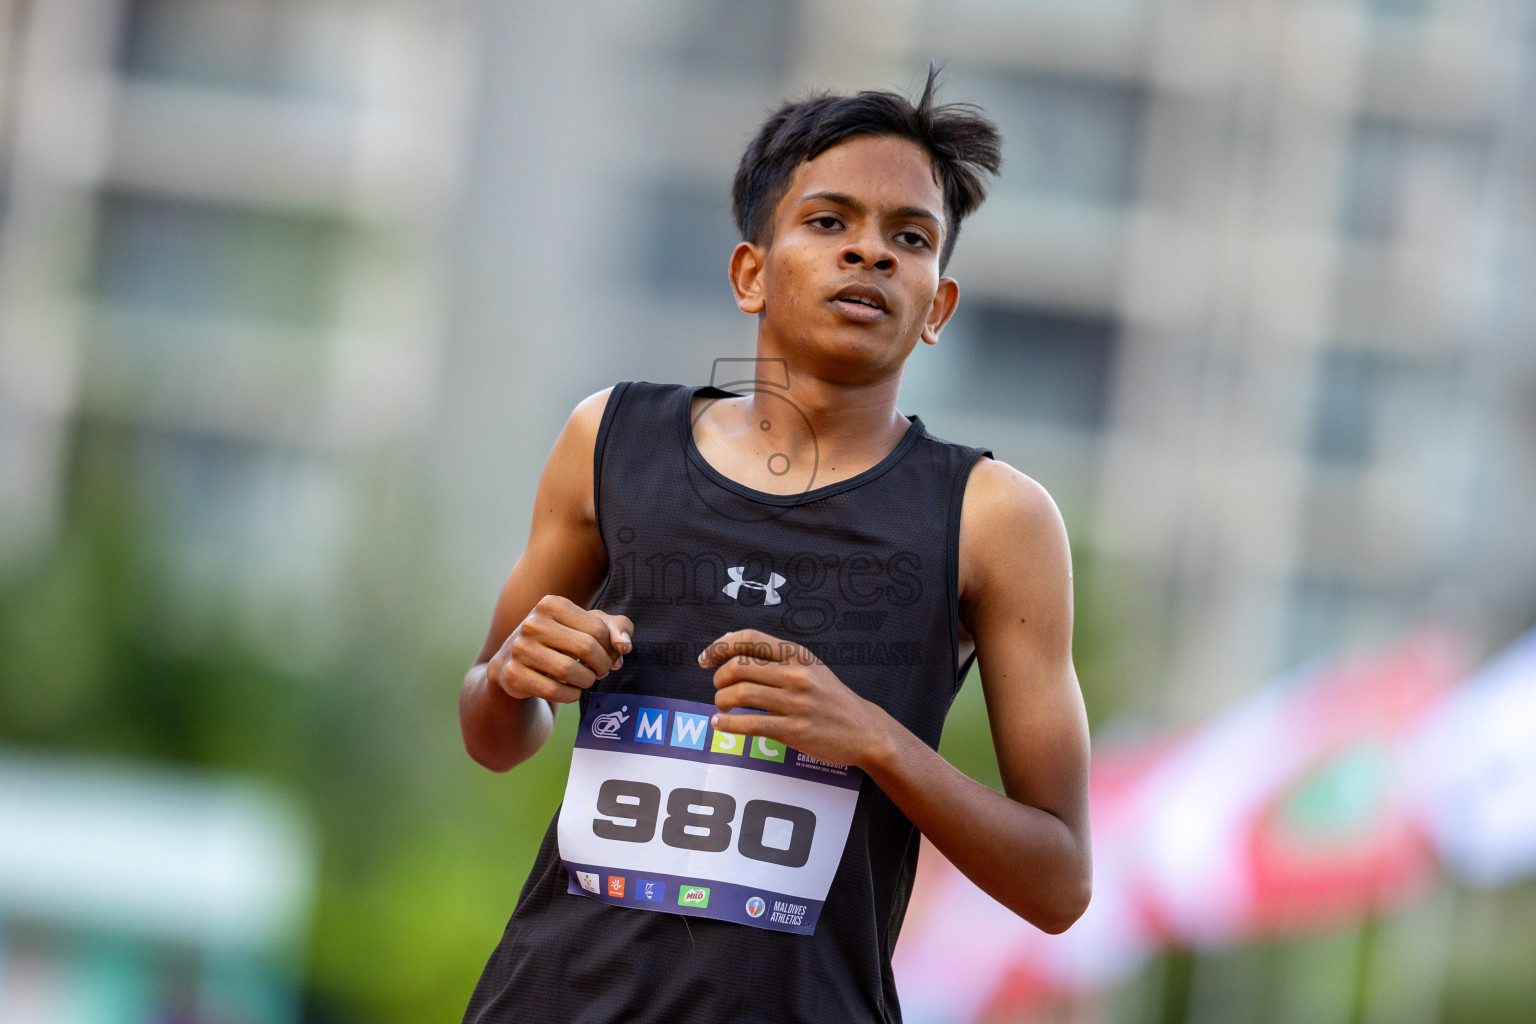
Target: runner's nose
(869, 250)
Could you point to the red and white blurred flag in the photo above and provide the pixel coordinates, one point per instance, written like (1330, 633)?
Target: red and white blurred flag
(1290, 812)
(1474, 770)
(1286, 813)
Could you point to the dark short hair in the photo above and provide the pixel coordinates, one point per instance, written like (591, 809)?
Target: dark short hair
(959, 137)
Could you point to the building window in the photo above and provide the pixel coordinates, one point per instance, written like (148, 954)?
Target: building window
(1401, 10)
(1065, 137)
(304, 47)
(691, 238)
(1373, 180)
(1348, 396)
(204, 259)
(1046, 366)
(243, 520)
(1400, 178)
(1331, 612)
(1319, 618)
(731, 38)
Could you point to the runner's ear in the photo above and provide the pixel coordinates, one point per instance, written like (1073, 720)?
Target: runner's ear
(747, 277)
(943, 307)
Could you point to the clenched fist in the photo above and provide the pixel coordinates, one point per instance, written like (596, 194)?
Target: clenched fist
(559, 650)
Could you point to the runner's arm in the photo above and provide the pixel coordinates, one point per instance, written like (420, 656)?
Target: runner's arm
(543, 646)
(1028, 849)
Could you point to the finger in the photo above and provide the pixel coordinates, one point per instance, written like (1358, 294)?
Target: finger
(552, 662)
(749, 669)
(552, 690)
(741, 725)
(767, 727)
(753, 643)
(521, 681)
(620, 631)
(575, 643)
(582, 620)
(755, 695)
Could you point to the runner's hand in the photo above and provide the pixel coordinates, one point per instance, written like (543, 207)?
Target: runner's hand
(808, 707)
(559, 650)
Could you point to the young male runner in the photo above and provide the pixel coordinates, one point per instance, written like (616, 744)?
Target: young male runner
(806, 551)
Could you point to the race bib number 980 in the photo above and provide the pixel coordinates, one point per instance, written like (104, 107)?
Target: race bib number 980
(662, 812)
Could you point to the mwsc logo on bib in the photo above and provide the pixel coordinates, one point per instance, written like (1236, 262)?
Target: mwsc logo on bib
(607, 726)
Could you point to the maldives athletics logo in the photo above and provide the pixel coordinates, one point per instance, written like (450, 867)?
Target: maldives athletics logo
(756, 906)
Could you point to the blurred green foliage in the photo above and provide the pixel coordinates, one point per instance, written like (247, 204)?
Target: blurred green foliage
(423, 852)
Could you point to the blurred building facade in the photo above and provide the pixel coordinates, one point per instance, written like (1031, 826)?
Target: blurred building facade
(222, 241)
(222, 269)
(1250, 295)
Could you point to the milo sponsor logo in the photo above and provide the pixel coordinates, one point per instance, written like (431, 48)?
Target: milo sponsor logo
(693, 896)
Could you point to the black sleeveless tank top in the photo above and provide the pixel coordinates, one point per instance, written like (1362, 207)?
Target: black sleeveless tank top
(869, 569)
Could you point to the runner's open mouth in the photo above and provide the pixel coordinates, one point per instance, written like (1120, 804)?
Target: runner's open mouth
(862, 293)
(860, 298)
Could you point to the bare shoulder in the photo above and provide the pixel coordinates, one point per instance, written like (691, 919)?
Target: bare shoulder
(1003, 504)
(587, 417)
(1009, 525)
(580, 434)
(566, 483)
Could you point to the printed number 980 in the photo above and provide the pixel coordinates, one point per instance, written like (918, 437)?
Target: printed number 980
(700, 820)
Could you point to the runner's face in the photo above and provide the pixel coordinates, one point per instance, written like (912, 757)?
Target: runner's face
(852, 273)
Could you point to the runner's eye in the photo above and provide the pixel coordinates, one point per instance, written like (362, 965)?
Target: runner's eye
(826, 221)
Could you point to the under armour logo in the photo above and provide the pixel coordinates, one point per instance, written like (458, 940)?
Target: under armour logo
(770, 589)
